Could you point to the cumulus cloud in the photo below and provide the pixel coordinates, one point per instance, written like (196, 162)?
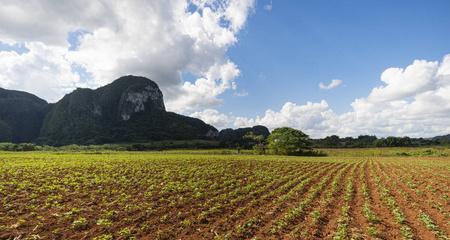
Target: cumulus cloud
(315, 118)
(333, 84)
(163, 39)
(215, 118)
(157, 39)
(310, 116)
(400, 83)
(43, 70)
(414, 101)
(204, 91)
(222, 120)
(50, 21)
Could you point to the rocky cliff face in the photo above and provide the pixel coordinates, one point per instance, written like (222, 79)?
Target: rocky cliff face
(21, 116)
(140, 98)
(131, 109)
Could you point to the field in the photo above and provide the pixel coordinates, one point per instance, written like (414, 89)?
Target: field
(180, 195)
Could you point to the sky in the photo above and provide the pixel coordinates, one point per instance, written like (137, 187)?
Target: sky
(346, 67)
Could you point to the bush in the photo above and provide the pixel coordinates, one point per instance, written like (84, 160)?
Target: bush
(21, 147)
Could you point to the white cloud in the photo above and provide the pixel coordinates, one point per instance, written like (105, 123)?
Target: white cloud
(43, 70)
(157, 39)
(214, 117)
(333, 84)
(237, 12)
(241, 93)
(414, 101)
(240, 122)
(268, 6)
(302, 116)
(161, 39)
(50, 21)
(311, 116)
(204, 91)
(221, 120)
(400, 83)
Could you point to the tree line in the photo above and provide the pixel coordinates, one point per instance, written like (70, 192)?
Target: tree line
(367, 141)
(282, 141)
(290, 141)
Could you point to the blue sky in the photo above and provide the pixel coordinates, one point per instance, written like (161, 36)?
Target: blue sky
(17, 47)
(284, 53)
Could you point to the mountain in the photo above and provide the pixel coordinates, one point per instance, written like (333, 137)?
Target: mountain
(445, 139)
(235, 137)
(131, 109)
(21, 116)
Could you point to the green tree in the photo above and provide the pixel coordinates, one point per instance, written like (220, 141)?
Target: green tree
(288, 141)
(332, 141)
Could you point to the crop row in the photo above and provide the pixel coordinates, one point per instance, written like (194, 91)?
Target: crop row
(195, 196)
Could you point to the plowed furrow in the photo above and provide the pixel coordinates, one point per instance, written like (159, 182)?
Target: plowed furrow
(389, 229)
(417, 207)
(258, 223)
(330, 222)
(410, 214)
(315, 217)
